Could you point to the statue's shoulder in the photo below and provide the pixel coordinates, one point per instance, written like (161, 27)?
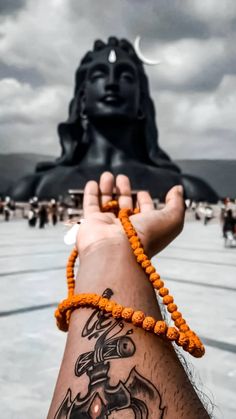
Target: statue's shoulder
(25, 188)
(198, 189)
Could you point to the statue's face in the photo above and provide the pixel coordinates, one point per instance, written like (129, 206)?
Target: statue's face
(112, 88)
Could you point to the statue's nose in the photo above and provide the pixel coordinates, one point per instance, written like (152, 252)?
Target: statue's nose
(111, 80)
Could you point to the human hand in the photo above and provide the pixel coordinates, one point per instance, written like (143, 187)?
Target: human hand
(155, 228)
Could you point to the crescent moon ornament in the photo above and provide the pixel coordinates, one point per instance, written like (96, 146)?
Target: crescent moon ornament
(140, 54)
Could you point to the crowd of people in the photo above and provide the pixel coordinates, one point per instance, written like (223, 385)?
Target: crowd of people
(42, 213)
(202, 211)
(205, 213)
(37, 213)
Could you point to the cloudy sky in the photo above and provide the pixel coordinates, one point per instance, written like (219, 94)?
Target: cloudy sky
(194, 88)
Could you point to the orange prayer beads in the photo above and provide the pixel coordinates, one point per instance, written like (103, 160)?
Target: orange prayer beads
(181, 334)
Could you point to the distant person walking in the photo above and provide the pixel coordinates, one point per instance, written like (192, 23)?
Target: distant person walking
(33, 211)
(43, 216)
(61, 211)
(1, 206)
(32, 217)
(54, 212)
(208, 214)
(229, 226)
(7, 208)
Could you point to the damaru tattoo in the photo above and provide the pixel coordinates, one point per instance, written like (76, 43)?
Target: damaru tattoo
(133, 396)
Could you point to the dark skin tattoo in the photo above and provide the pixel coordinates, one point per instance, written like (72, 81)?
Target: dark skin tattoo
(102, 400)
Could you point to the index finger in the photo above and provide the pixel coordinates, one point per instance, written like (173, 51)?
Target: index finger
(91, 198)
(145, 201)
(175, 207)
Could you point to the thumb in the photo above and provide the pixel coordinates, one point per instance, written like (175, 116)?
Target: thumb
(175, 207)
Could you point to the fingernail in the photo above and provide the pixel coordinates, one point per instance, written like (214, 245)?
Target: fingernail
(180, 189)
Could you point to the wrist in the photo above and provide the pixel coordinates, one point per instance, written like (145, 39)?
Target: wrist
(107, 262)
(107, 247)
(112, 264)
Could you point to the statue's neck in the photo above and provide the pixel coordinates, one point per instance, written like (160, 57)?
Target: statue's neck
(113, 142)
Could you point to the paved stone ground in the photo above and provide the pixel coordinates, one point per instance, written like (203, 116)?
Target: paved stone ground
(199, 271)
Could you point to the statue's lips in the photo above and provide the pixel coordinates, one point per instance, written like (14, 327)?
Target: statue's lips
(111, 99)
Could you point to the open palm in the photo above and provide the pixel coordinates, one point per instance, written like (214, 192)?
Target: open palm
(155, 228)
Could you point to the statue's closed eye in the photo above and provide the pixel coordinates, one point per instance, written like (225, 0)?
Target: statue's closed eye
(127, 76)
(97, 74)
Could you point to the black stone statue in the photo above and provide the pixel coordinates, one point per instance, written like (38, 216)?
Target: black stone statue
(111, 126)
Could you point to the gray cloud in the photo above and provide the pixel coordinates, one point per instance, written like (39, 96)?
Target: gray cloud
(8, 7)
(26, 75)
(167, 21)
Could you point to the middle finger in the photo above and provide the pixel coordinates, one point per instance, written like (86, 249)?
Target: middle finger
(123, 189)
(106, 185)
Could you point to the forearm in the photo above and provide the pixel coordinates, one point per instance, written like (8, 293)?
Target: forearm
(115, 267)
(148, 368)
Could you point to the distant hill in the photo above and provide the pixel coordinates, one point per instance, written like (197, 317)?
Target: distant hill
(220, 174)
(16, 165)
